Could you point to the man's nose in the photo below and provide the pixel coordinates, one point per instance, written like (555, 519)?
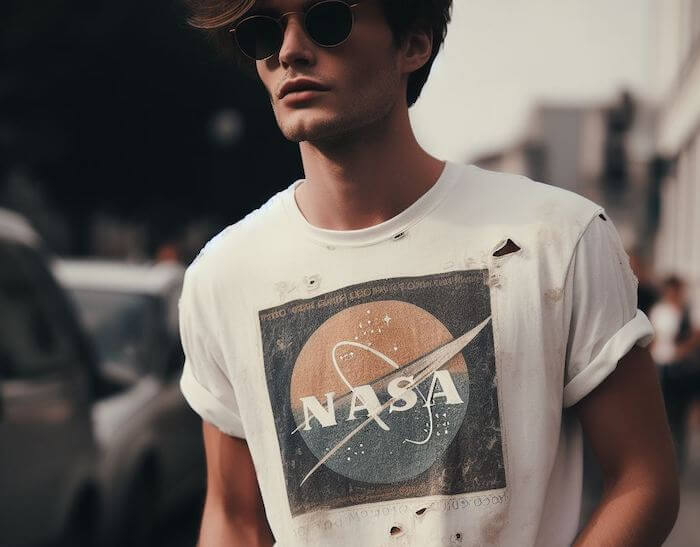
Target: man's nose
(296, 44)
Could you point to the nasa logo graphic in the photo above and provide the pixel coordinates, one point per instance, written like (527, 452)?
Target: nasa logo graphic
(385, 390)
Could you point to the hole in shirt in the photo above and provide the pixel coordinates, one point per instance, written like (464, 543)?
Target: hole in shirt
(508, 247)
(421, 511)
(395, 530)
(601, 215)
(458, 537)
(312, 281)
(399, 235)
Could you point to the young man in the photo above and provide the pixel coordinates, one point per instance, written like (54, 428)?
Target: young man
(399, 350)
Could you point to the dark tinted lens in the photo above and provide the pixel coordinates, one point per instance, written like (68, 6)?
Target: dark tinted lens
(259, 36)
(329, 23)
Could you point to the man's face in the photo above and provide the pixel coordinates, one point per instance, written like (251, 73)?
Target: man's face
(363, 75)
(675, 294)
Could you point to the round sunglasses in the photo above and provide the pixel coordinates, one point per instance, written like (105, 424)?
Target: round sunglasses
(328, 23)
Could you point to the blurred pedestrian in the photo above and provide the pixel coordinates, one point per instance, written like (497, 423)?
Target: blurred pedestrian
(168, 252)
(674, 348)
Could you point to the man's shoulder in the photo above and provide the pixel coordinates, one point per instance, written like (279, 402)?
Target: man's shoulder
(247, 233)
(525, 197)
(515, 197)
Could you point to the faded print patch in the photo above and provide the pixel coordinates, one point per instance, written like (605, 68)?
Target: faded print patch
(385, 390)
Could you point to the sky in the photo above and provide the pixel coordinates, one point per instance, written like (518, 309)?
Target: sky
(503, 57)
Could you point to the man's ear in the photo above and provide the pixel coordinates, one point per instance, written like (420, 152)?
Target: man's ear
(416, 49)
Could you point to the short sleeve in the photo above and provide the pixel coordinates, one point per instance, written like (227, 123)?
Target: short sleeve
(605, 322)
(204, 383)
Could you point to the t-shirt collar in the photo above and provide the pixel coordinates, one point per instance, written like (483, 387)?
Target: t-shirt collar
(389, 229)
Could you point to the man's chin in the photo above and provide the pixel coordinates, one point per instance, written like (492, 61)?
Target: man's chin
(316, 132)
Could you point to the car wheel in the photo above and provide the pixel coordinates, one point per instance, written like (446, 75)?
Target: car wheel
(141, 510)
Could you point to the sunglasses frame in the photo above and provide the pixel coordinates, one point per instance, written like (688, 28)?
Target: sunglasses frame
(278, 22)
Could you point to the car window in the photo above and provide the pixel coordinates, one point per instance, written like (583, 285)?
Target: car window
(124, 328)
(34, 335)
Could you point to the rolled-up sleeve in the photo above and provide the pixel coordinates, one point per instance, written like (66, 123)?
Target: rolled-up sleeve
(204, 383)
(605, 322)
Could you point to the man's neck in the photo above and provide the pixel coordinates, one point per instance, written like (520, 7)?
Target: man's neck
(368, 178)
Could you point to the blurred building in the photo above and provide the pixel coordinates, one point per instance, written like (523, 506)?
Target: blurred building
(677, 89)
(602, 152)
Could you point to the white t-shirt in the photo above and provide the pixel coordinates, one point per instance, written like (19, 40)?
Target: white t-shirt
(401, 385)
(666, 320)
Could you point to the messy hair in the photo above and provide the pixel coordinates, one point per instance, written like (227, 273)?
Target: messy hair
(215, 17)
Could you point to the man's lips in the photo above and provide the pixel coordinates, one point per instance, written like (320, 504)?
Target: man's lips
(301, 95)
(300, 85)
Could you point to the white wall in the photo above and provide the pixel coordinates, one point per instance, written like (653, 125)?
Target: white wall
(502, 56)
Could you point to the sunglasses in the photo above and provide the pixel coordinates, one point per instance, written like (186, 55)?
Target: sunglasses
(328, 23)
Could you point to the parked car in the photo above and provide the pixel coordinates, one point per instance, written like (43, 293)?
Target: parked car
(48, 380)
(152, 456)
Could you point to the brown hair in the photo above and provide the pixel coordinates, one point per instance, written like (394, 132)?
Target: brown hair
(672, 282)
(402, 16)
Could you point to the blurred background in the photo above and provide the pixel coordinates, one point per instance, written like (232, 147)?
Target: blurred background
(126, 142)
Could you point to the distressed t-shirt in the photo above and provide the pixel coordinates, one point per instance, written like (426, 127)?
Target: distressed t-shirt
(409, 383)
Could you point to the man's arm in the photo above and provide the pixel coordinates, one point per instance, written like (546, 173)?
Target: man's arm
(625, 421)
(234, 514)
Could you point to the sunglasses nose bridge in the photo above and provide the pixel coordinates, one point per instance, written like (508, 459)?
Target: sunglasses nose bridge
(301, 22)
(285, 27)
(283, 22)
